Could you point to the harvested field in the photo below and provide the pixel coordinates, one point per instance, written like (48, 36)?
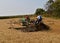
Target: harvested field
(16, 36)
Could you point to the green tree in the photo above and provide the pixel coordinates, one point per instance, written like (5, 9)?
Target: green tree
(49, 7)
(54, 8)
(39, 11)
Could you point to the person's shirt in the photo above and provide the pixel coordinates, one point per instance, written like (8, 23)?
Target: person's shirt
(23, 20)
(39, 17)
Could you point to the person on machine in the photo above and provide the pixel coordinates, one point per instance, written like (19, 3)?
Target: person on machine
(39, 19)
(27, 18)
(23, 21)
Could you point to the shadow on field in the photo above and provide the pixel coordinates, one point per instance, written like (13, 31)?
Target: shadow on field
(41, 27)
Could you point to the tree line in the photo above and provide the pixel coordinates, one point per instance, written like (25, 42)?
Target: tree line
(52, 8)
